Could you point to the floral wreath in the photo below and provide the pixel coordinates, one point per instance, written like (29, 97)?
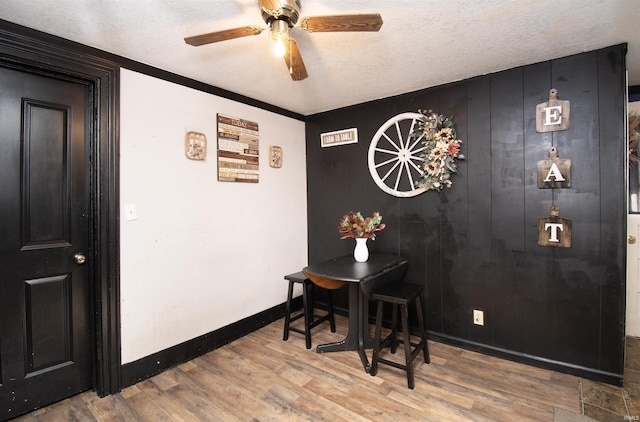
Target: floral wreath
(634, 138)
(441, 149)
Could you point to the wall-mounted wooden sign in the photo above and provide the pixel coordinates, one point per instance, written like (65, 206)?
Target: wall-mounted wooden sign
(195, 145)
(553, 115)
(339, 137)
(275, 156)
(554, 172)
(554, 230)
(238, 152)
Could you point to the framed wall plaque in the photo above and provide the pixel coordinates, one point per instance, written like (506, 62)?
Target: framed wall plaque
(238, 150)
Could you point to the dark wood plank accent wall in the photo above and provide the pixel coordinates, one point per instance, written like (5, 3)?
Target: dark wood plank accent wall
(474, 246)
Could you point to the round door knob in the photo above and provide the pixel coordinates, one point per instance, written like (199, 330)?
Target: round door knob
(631, 239)
(79, 258)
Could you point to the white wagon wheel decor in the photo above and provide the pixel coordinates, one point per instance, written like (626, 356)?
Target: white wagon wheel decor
(394, 159)
(414, 152)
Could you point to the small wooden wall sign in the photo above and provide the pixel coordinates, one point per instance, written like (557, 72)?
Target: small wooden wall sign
(339, 137)
(275, 156)
(553, 115)
(554, 172)
(554, 230)
(195, 145)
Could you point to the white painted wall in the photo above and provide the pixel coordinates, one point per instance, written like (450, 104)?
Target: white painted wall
(202, 254)
(632, 321)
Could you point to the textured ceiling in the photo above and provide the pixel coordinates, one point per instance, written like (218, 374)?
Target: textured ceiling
(421, 43)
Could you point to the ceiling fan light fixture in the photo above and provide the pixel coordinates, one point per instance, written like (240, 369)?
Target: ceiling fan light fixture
(280, 36)
(279, 48)
(281, 16)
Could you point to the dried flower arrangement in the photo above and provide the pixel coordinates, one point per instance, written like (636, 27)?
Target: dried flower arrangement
(355, 225)
(441, 149)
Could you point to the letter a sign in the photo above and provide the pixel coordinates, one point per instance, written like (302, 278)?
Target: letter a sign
(554, 172)
(552, 115)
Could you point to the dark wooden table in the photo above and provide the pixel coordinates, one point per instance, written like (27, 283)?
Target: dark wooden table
(363, 277)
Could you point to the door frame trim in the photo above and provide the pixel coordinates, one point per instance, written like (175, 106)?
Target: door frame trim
(26, 49)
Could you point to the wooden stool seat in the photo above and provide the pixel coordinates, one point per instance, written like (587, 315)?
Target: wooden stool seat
(403, 295)
(310, 318)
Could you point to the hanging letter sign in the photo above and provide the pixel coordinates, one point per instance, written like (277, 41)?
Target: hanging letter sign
(554, 230)
(554, 172)
(552, 115)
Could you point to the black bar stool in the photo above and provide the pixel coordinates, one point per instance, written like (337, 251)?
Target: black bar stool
(402, 294)
(310, 319)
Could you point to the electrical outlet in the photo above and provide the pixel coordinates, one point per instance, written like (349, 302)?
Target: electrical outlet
(130, 212)
(478, 317)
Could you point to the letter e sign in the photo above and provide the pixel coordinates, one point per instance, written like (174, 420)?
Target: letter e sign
(553, 115)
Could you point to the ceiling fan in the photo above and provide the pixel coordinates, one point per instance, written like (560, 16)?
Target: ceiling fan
(281, 16)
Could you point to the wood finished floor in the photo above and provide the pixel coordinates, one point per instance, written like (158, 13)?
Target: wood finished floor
(604, 402)
(261, 378)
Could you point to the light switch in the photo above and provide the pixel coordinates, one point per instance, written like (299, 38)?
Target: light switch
(130, 212)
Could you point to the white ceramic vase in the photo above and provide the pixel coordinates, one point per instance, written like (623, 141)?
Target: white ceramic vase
(361, 252)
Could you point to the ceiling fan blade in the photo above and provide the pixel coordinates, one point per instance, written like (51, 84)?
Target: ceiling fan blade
(227, 34)
(294, 62)
(270, 4)
(342, 23)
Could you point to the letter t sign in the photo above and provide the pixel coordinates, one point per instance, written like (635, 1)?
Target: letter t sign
(554, 230)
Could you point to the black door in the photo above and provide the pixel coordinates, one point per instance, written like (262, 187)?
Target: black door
(45, 347)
